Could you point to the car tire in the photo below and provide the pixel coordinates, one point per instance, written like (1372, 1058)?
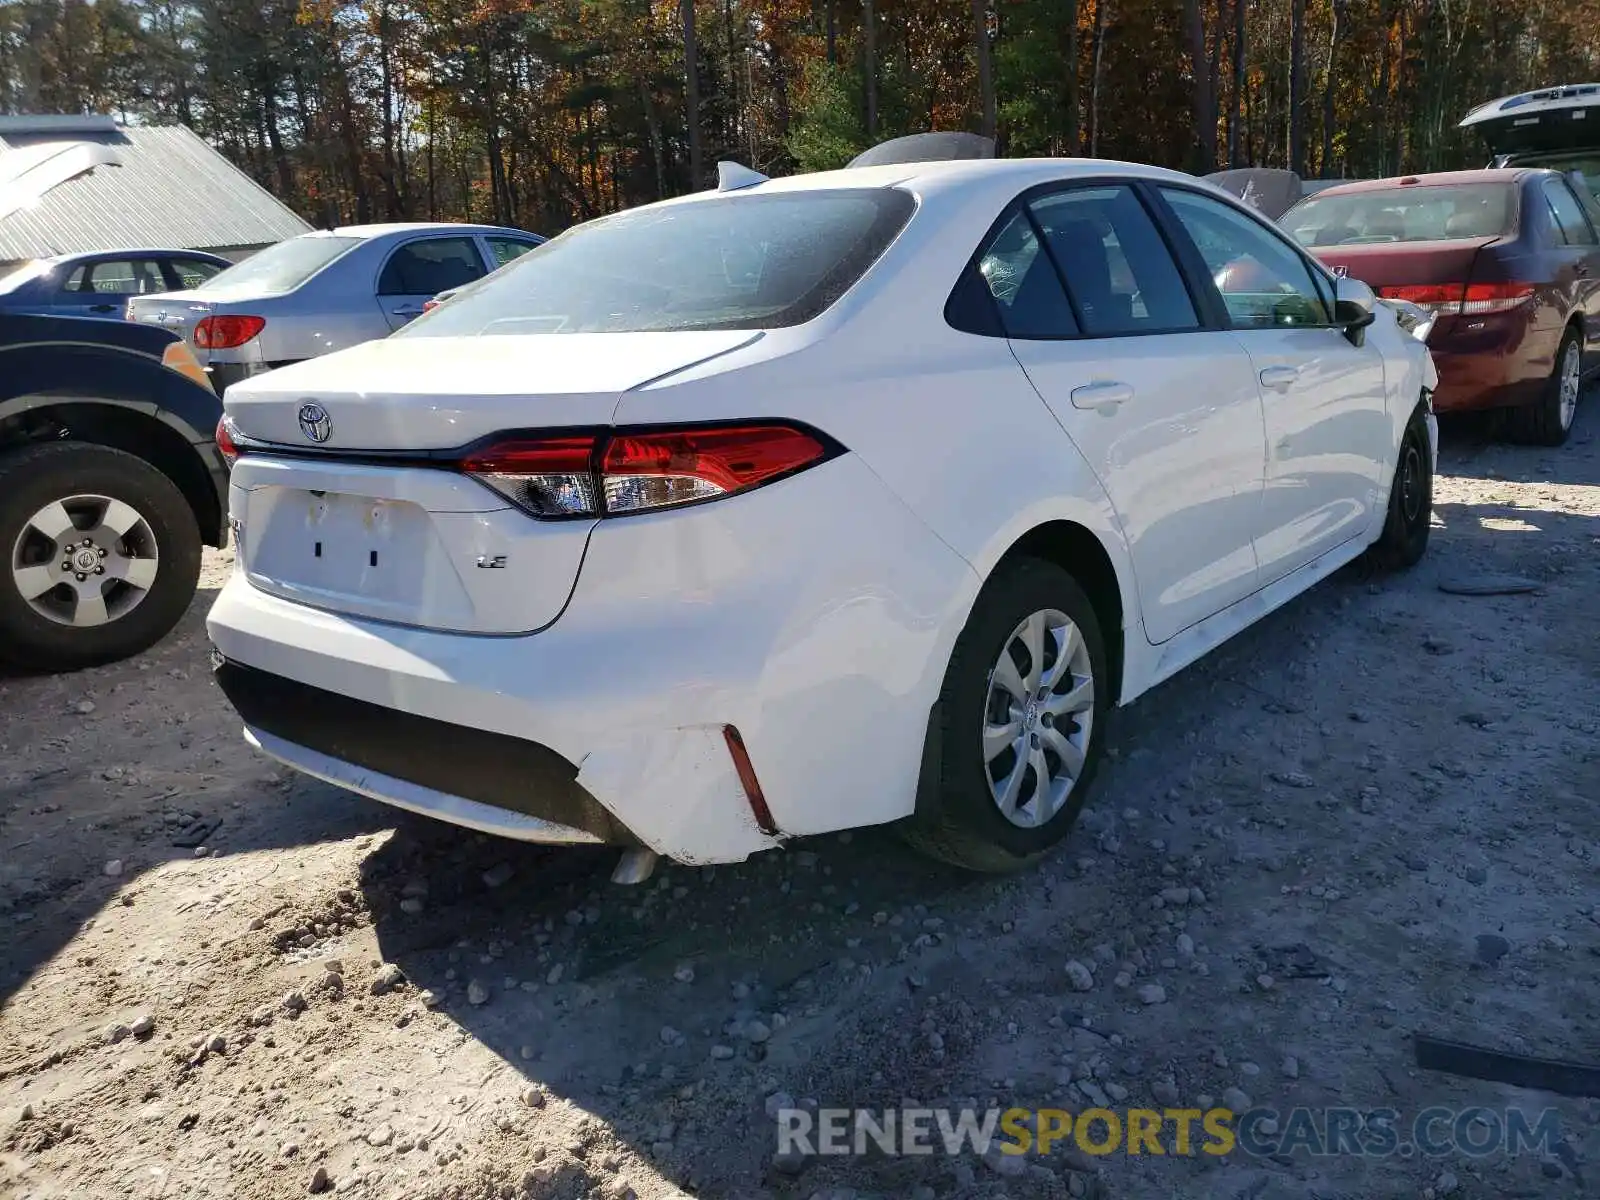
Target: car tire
(1548, 420)
(131, 531)
(1404, 539)
(962, 815)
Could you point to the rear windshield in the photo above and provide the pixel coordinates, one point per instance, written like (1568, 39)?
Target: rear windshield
(1416, 213)
(26, 273)
(735, 262)
(283, 267)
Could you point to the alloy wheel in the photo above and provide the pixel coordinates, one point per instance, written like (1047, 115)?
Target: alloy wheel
(1038, 716)
(1571, 378)
(85, 560)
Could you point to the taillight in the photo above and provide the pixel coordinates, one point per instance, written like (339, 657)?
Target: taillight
(429, 305)
(226, 446)
(1465, 299)
(548, 477)
(227, 331)
(1494, 297)
(642, 470)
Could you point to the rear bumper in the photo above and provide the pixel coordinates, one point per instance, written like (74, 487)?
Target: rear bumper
(495, 783)
(815, 617)
(1504, 363)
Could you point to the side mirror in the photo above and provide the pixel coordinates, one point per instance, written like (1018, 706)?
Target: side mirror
(1354, 308)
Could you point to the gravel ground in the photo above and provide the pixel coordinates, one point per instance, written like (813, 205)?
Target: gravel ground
(1372, 814)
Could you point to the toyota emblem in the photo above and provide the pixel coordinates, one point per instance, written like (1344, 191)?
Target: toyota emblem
(315, 422)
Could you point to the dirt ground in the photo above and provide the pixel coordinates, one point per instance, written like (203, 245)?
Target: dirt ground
(1382, 802)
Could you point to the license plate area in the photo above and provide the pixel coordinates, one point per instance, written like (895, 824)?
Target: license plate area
(361, 553)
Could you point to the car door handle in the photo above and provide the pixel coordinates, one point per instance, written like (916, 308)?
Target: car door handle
(408, 312)
(1279, 379)
(102, 308)
(1103, 396)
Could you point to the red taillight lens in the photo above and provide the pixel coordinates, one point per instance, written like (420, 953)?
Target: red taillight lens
(1494, 297)
(548, 477)
(641, 470)
(429, 305)
(1467, 299)
(226, 332)
(225, 443)
(659, 469)
(1436, 297)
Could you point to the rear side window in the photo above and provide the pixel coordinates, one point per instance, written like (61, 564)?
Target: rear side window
(1117, 268)
(430, 266)
(1026, 289)
(1568, 214)
(748, 261)
(192, 272)
(505, 249)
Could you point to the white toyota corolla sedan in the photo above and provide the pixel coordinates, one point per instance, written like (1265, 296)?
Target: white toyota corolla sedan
(810, 503)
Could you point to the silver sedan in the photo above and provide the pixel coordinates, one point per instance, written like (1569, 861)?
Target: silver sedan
(324, 291)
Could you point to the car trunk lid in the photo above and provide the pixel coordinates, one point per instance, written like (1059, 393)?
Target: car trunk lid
(374, 520)
(1561, 118)
(1402, 264)
(179, 312)
(421, 393)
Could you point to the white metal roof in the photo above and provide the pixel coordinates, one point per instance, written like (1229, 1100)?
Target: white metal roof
(171, 190)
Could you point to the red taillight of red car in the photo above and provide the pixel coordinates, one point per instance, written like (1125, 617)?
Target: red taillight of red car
(1465, 299)
(429, 305)
(226, 332)
(642, 470)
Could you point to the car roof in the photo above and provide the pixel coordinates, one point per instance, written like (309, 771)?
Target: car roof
(1506, 175)
(132, 252)
(382, 229)
(967, 175)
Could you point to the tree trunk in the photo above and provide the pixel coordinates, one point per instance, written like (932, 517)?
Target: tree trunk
(1297, 86)
(1240, 82)
(870, 42)
(980, 39)
(691, 70)
(1096, 75)
(653, 124)
(1324, 166)
(1071, 108)
(1203, 101)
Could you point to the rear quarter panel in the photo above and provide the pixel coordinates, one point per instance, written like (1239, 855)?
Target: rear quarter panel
(947, 420)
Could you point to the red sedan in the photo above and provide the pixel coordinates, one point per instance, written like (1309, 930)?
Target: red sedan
(1509, 260)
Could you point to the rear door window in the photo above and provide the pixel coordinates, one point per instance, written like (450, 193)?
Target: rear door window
(429, 266)
(115, 277)
(1568, 213)
(1118, 271)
